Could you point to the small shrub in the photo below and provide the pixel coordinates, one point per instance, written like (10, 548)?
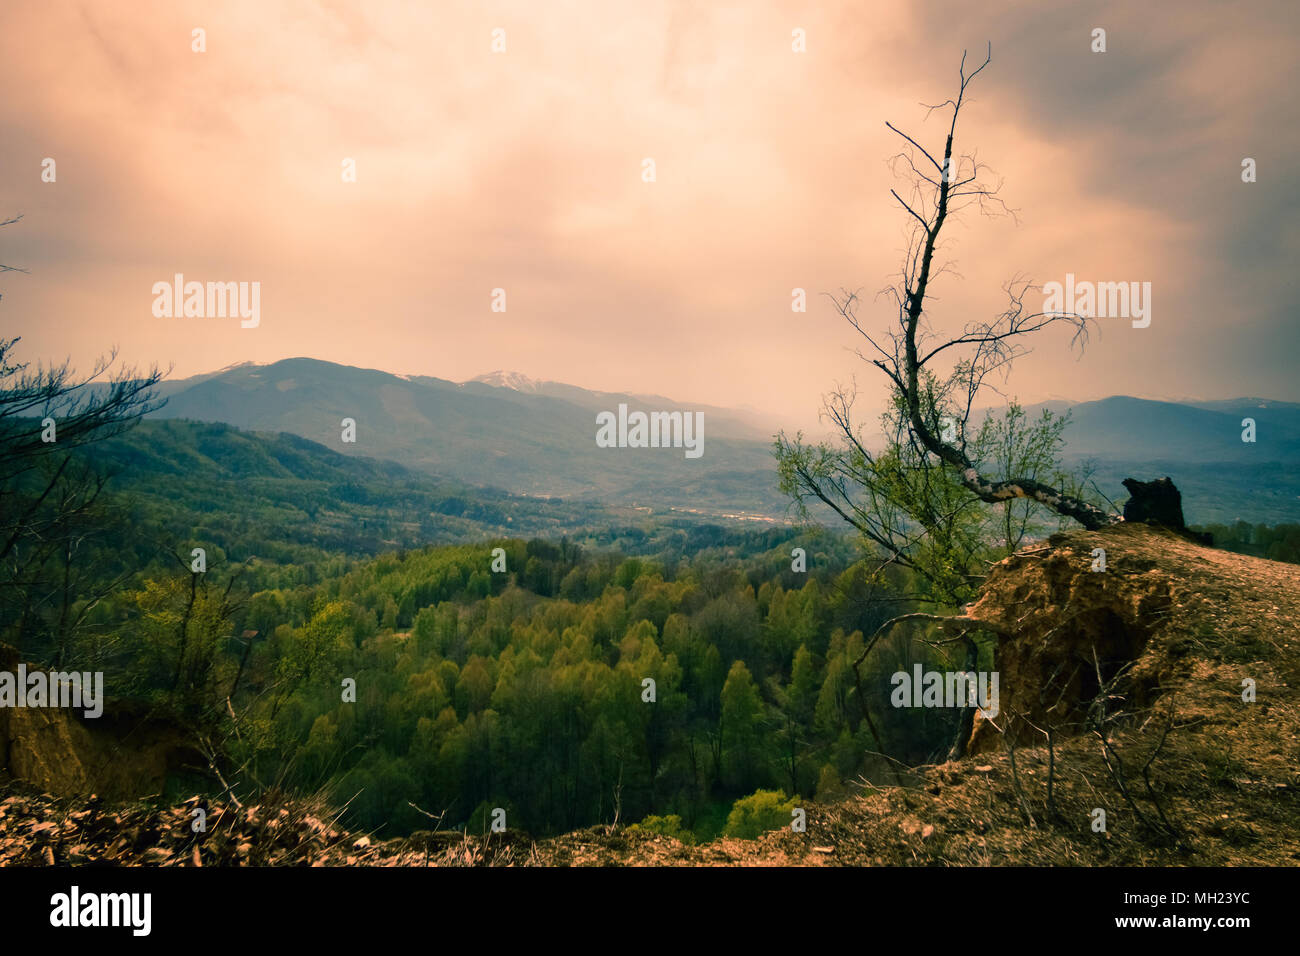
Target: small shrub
(758, 813)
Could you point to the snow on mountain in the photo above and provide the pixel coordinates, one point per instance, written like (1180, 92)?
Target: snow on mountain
(504, 379)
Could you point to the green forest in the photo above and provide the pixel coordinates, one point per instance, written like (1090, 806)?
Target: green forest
(386, 640)
(526, 689)
(522, 688)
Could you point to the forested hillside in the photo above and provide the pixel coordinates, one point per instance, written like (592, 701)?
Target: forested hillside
(520, 687)
(525, 689)
(1194, 774)
(283, 498)
(423, 653)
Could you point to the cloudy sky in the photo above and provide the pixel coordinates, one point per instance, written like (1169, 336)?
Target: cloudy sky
(522, 170)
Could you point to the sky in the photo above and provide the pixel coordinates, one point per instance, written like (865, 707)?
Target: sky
(523, 169)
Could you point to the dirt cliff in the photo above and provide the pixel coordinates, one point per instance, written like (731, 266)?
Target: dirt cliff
(122, 754)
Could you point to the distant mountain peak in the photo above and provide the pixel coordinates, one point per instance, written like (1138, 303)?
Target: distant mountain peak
(504, 379)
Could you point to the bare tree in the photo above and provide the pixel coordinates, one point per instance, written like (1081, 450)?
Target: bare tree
(49, 492)
(991, 345)
(929, 485)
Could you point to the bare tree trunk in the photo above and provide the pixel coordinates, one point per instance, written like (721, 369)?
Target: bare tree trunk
(994, 342)
(991, 491)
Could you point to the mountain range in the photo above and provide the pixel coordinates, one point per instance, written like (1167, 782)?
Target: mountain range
(538, 442)
(507, 431)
